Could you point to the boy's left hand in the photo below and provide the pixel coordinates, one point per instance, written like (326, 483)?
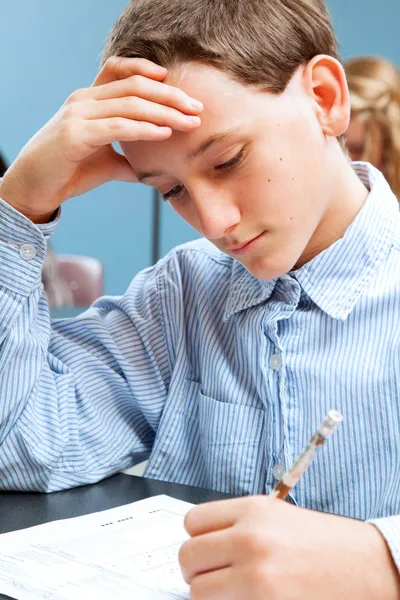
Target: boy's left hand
(262, 548)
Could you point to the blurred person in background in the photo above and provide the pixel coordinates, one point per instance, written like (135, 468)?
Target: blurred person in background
(374, 132)
(57, 290)
(58, 293)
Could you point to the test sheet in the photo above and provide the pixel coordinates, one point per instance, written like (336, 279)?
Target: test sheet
(119, 554)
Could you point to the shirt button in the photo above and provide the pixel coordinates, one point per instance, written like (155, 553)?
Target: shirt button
(288, 284)
(278, 471)
(27, 251)
(275, 362)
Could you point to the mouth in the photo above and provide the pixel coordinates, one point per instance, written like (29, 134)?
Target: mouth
(243, 248)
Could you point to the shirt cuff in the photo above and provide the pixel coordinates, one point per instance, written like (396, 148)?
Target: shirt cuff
(23, 247)
(390, 529)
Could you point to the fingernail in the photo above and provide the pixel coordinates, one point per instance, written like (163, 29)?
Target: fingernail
(193, 120)
(195, 104)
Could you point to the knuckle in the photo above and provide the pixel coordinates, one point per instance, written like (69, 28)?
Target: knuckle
(112, 63)
(136, 82)
(146, 128)
(115, 124)
(75, 97)
(254, 543)
(70, 111)
(256, 502)
(254, 507)
(132, 103)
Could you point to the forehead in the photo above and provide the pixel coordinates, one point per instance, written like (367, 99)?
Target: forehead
(228, 105)
(206, 83)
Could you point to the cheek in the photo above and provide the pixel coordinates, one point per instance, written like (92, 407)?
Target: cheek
(187, 211)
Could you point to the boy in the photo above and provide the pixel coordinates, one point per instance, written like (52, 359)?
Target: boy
(219, 361)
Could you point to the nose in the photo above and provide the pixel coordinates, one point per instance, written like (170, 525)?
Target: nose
(217, 214)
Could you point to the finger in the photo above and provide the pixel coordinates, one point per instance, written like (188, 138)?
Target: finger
(119, 67)
(107, 131)
(205, 553)
(217, 515)
(139, 109)
(216, 585)
(222, 514)
(142, 87)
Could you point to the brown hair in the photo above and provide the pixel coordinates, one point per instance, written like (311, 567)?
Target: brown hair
(257, 42)
(375, 98)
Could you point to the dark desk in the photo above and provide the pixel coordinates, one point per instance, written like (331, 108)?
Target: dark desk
(18, 511)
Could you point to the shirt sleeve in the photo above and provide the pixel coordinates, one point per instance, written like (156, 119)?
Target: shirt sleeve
(81, 398)
(390, 529)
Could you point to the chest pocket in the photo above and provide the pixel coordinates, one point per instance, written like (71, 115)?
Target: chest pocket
(204, 442)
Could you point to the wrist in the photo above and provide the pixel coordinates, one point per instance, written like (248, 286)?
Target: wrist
(10, 193)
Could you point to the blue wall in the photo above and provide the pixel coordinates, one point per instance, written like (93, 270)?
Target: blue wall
(49, 48)
(367, 27)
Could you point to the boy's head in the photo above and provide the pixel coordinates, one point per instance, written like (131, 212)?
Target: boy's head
(275, 100)
(256, 42)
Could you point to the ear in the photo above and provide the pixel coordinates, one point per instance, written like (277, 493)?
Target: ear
(326, 84)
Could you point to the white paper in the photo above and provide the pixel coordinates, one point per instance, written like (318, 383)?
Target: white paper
(119, 554)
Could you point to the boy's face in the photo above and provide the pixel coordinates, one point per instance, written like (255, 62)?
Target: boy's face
(261, 190)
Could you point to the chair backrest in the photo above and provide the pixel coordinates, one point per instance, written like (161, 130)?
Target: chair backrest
(84, 276)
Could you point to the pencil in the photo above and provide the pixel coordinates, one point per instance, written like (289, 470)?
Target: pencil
(305, 458)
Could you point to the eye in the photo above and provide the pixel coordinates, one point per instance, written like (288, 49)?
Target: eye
(174, 194)
(231, 164)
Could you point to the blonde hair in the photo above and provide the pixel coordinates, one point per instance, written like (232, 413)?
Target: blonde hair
(374, 85)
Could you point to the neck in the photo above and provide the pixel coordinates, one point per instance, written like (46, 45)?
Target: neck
(346, 200)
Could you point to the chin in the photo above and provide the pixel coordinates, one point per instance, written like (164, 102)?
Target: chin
(267, 270)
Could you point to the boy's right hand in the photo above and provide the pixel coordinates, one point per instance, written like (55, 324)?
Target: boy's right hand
(73, 152)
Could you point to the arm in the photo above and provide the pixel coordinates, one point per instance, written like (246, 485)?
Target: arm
(82, 400)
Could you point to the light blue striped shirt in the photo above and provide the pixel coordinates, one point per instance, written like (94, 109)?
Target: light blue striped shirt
(215, 376)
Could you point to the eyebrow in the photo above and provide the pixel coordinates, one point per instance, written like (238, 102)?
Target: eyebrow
(217, 138)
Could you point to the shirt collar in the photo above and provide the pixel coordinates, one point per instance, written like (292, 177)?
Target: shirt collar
(245, 290)
(335, 279)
